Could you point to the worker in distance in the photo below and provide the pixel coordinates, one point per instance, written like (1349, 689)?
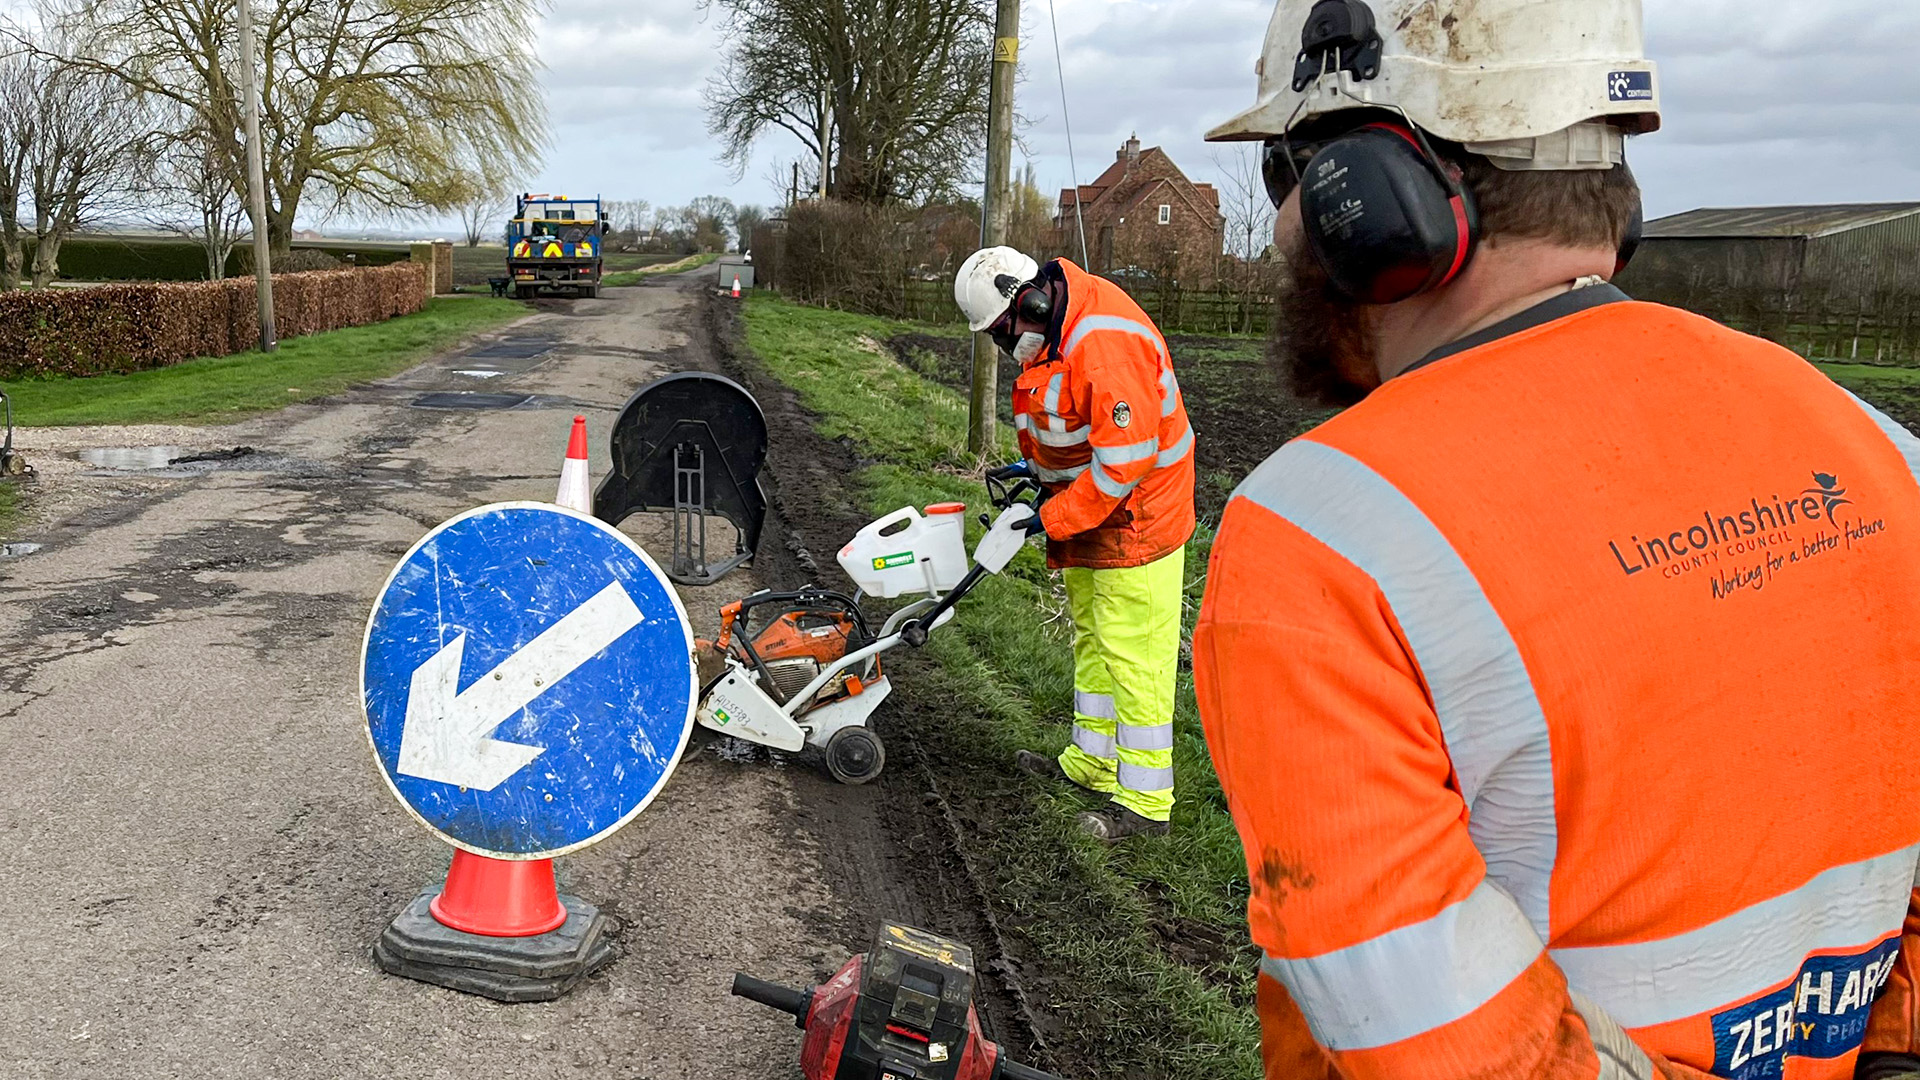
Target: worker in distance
(1102, 428)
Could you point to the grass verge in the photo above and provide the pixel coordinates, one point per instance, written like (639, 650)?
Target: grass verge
(633, 277)
(230, 387)
(1139, 953)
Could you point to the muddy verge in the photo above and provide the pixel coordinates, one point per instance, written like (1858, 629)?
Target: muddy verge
(888, 846)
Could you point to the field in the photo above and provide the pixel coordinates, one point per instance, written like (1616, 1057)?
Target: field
(230, 387)
(101, 257)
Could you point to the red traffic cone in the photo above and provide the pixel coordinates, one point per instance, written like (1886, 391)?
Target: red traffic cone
(574, 493)
(499, 897)
(736, 286)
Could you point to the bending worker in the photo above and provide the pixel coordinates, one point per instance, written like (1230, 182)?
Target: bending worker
(1104, 431)
(1561, 689)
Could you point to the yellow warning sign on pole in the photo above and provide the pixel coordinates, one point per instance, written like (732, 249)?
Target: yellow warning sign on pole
(1006, 50)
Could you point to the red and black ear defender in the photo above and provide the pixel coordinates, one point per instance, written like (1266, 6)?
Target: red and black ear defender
(1030, 299)
(1384, 217)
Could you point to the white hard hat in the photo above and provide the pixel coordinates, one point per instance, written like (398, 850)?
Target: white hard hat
(985, 285)
(1505, 77)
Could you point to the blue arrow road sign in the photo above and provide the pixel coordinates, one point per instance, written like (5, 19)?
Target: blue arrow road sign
(528, 680)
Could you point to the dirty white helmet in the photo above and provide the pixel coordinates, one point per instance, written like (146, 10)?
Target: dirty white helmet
(1530, 84)
(985, 285)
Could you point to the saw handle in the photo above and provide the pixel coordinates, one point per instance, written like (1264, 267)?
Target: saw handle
(784, 998)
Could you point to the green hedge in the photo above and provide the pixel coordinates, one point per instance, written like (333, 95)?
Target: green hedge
(113, 258)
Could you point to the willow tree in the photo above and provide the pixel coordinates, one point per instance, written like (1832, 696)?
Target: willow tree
(888, 96)
(379, 106)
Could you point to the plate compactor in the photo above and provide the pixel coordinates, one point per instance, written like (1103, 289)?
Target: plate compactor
(795, 669)
(901, 1012)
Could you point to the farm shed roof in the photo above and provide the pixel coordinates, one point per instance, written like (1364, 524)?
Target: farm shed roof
(1779, 222)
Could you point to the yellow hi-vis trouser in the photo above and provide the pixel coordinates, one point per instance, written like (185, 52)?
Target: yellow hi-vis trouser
(1126, 653)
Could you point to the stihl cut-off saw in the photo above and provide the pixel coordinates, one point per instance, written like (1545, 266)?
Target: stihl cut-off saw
(795, 669)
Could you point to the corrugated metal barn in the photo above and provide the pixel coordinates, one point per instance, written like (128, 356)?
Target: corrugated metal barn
(1848, 254)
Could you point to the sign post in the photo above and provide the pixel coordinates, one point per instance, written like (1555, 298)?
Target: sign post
(529, 687)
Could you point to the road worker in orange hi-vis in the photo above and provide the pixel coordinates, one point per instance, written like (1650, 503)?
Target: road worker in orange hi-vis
(1103, 430)
(1562, 688)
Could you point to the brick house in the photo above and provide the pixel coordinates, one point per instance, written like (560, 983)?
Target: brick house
(1144, 216)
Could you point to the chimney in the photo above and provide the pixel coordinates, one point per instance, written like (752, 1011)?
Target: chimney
(1129, 150)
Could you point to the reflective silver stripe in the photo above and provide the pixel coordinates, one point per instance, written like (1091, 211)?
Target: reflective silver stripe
(1022, 422)
(1098, 706)
(1110, 487)
(1169, 392)
(1140, 778)
(1121, 455)
(1051, 402)
(1751, 950)
(1620, 1057)
(1172, 454)
(1095, 323)
(1061, 438)
(1413, 979)
(1092, 742)
(1146, 737)
(1902, 439)
(1057, 476)
(1495, 732)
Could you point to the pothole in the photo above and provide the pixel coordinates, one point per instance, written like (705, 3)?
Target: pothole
(17, 549)
(466, 399)
(134, 458)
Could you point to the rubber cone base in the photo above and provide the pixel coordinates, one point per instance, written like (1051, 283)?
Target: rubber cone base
(537, 967)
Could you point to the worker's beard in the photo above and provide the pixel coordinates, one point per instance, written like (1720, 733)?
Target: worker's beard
(1320, 340)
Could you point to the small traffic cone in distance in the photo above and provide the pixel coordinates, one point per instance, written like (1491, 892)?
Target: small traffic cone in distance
(574, 493)
(736, 286)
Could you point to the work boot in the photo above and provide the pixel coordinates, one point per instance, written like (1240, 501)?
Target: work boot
(1040, 765)
(1113, 823)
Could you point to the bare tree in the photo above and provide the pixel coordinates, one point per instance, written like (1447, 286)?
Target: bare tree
(384, 106)
(94, 149)
(889, 96)
(627, 219)
(1248, 211)
(74, 145)
(18, 132)
(192, 196)
(1250, 266)
(745, 220)
(483, 214)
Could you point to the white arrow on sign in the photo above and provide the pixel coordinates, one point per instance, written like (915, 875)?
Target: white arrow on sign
(447, 737)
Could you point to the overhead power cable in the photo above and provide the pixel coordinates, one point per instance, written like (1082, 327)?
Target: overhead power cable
(1073, 171)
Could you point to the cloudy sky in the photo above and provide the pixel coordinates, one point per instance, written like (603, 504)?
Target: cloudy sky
(1778, 102)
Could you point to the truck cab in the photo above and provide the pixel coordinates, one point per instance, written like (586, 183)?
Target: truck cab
(553, 242)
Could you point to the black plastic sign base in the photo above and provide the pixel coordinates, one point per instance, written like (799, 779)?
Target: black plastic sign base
(512, 969)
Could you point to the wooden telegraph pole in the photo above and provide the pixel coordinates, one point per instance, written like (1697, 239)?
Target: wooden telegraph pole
(256, 182)
(995, 211)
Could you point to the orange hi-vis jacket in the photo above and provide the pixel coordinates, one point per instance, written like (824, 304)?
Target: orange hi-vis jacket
(1100, 416)
(1564, 695)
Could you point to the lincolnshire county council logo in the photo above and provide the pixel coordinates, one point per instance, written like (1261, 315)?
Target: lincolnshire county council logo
(1122, 414)
(1829, 492)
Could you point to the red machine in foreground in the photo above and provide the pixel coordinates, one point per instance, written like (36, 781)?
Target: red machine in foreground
(901, 1012)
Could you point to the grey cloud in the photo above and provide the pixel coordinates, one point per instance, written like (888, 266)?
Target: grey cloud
(1780, 101)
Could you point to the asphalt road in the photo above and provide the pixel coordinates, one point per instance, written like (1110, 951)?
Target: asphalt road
(199, 850)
